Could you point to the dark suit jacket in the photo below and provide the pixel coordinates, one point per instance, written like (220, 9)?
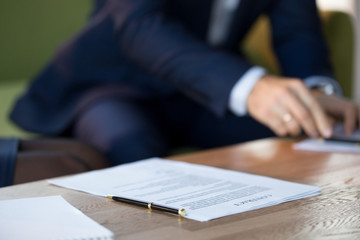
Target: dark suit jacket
(158, 47)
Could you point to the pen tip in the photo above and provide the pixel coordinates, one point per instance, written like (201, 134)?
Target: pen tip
(109, 196)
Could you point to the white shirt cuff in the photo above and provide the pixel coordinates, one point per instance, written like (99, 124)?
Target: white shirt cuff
(242, 89)
(316, 81)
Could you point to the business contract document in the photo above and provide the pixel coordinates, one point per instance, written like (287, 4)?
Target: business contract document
(204, 192)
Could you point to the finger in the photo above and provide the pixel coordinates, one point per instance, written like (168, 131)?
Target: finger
(293, 127)
(332, 121)
(350, 119)
(300, 113)
(288, 121)
(316, 112)
(277, 127)
(274, 122)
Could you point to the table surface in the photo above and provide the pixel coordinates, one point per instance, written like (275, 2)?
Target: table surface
(334, 214)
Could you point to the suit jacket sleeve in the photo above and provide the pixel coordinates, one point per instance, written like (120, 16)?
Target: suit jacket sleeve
(160, 45)
(297, 39)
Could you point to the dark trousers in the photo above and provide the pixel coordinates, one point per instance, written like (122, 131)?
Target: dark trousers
(127, 130)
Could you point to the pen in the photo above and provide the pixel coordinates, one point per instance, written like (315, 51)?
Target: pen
(150, 205)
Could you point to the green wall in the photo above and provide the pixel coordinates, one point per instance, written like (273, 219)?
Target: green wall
(30, 32)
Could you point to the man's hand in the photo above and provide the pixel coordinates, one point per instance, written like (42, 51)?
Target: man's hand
(287, 106)
(340, 109)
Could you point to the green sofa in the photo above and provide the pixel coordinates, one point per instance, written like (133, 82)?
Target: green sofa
(32, 30)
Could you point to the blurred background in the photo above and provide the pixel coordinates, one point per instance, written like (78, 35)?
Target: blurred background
(351, 7)
(31, 31)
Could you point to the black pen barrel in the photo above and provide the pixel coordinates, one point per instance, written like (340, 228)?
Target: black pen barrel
(150, 205)
(164, 209)
(132, 202)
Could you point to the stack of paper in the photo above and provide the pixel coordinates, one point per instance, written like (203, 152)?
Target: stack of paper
(339, 142)
(204, 192)
(320, 145)
(47, 218)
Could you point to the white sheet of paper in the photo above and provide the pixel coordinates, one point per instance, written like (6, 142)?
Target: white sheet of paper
(45, 218)
(320, 145)
(326, 146)
(205, 192)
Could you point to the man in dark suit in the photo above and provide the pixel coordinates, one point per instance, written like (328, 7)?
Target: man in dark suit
(146, 75)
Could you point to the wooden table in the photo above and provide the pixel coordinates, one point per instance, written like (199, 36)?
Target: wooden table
(335, 214)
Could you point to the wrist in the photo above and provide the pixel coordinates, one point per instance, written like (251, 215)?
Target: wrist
(241, 90)
(323, 89)
(327, 89)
